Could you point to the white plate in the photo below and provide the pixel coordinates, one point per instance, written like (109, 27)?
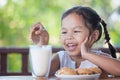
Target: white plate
(78, 77)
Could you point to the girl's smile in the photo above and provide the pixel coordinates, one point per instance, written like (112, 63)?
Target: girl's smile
(71, 46)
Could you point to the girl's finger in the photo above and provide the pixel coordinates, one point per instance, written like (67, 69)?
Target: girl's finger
(37, 32)
(37, 28)
(34, 26)
(91, 41)
(40, 27)
(85, 40)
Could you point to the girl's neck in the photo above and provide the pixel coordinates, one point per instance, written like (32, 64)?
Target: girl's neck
(77, 58)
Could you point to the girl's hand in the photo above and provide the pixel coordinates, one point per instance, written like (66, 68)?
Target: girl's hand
(86, 45)
(39, 35)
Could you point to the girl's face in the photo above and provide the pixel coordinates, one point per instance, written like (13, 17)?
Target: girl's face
(73, 33)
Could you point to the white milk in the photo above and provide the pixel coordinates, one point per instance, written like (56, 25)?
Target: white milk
(40, 59)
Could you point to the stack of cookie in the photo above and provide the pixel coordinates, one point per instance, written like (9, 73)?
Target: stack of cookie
(79, 71)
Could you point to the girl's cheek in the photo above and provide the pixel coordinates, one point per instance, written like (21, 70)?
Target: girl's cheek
(81, 39)
(62, 40)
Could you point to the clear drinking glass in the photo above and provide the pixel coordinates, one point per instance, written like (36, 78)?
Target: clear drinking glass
(40, 59)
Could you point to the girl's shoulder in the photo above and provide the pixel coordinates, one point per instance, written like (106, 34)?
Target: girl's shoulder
(62, 54)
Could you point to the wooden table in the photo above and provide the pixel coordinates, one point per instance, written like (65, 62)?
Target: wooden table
(40, 78)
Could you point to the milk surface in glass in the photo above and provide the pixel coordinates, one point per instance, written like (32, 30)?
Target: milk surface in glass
(40, 58)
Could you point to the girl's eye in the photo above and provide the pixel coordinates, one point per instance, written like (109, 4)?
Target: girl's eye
(77, 31)
(64, 32)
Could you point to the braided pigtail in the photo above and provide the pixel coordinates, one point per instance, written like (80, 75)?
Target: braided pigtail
(107, 38)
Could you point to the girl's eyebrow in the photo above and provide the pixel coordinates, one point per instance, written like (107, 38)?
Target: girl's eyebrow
(78, 27)
(63, 28)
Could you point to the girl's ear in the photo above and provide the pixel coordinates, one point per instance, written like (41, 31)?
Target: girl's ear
(95, 35)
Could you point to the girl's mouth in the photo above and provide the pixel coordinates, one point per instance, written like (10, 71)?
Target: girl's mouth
(71, 46)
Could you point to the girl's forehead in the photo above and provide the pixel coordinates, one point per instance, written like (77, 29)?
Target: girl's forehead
(74, 20)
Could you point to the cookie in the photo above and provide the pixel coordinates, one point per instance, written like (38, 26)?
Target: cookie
(83, 71)
(96, 70)
(67, 71)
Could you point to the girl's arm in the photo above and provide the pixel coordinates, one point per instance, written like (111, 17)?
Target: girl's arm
(55, 65)
(108, 64)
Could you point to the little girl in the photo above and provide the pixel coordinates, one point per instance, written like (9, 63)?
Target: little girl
(81, 28)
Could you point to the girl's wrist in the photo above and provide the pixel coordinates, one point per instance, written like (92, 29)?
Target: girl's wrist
(86, 55)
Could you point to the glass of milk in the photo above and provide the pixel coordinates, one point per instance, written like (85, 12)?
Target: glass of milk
(40, 59)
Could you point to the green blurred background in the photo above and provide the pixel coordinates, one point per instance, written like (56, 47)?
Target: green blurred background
(17, 16)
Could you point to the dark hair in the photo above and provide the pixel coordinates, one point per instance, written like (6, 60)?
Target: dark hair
(93, 22)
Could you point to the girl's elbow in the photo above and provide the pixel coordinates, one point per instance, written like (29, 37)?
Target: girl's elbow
(117, 72)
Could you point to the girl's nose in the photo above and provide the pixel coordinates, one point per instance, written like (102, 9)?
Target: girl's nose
(70, 36)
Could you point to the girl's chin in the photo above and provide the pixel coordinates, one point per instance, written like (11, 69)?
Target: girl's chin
(73, 53)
